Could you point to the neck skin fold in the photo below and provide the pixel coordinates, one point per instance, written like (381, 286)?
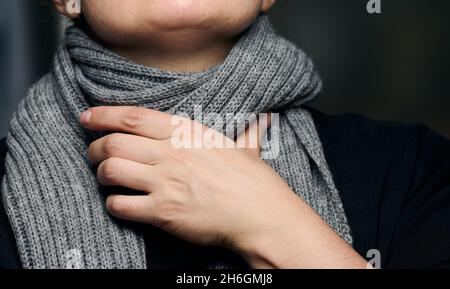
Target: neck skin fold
(179, 56)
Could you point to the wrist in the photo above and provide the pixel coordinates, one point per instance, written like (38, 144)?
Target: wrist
(251, 248)
(256, 253)
(297, 239)
(263, 245)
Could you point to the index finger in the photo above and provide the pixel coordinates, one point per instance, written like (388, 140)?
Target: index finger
(129, 119)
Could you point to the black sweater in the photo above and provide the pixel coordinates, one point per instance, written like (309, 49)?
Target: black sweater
(394, 181)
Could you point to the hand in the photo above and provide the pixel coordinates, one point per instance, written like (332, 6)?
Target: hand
(206, 196)
(216, 196)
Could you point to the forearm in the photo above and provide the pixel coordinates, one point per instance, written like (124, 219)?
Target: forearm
(299, 239)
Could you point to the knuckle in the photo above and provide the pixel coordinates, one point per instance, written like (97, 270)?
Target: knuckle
(164, 224)
(109, 168)
(179, 157)
(112, 144)
(91, 151)
(179, 169)
(179, 185)
(133, 117)
(116, 207)
(168, 214)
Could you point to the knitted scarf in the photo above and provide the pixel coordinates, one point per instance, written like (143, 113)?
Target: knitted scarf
(55, 205)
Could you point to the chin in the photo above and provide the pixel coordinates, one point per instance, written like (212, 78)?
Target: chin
(152, 20)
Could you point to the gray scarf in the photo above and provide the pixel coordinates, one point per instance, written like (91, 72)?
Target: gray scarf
(54, 203)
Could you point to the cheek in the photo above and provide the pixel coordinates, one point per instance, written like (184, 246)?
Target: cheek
(108, 20)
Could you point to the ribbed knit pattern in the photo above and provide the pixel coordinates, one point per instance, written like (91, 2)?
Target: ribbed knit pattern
(54, 203)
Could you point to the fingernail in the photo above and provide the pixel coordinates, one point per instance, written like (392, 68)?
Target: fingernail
(85, 117)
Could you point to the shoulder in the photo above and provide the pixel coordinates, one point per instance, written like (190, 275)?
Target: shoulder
(354, 138)
(366, 131)
(372, 146)
(393, 180)
(3, 151)
(350, 139)
(38, 94)
(47, 81)
(9, 258)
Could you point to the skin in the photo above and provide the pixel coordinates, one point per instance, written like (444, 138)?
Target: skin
(188, 192)
(176, 35)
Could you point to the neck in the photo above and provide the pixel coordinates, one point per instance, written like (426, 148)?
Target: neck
(179, 58)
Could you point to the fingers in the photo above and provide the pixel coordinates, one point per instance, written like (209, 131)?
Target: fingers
(126, 146)
(132, 208)
(134, 120)
(126, 173)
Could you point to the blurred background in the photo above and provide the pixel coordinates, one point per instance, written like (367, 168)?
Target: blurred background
(393, 66)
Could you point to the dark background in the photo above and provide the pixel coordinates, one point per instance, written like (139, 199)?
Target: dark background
(392, 66)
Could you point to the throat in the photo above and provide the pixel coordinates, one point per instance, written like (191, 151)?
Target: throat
(179, 59)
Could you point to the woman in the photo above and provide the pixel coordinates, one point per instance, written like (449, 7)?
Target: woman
(93, 178)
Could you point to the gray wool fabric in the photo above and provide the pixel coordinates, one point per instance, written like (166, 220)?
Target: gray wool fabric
(53, 200)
